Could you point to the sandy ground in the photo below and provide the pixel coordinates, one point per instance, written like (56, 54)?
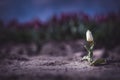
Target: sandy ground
(57, 68)
(70, 67)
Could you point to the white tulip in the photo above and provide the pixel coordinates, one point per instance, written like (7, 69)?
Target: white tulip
(89, 36)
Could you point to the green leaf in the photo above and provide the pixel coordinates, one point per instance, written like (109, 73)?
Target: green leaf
(87, 58)
(98, 61)
(92, 46)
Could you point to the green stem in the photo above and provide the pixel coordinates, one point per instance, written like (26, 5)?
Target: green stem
(90, 55)
(89, 49)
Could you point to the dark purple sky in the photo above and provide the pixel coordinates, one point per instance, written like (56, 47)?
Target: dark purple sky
(25, 10)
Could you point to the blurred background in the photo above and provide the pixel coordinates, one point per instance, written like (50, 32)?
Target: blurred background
(44, 20)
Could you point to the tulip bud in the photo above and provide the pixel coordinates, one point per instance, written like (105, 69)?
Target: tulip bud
(89, 36)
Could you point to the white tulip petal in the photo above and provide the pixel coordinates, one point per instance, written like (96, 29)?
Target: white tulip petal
(89, 36)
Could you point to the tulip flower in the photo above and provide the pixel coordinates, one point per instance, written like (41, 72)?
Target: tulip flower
(89, 47)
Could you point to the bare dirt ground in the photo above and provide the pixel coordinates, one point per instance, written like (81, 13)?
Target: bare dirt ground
(57, 62)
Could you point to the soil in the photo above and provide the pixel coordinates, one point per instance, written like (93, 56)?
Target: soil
(57, 61)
